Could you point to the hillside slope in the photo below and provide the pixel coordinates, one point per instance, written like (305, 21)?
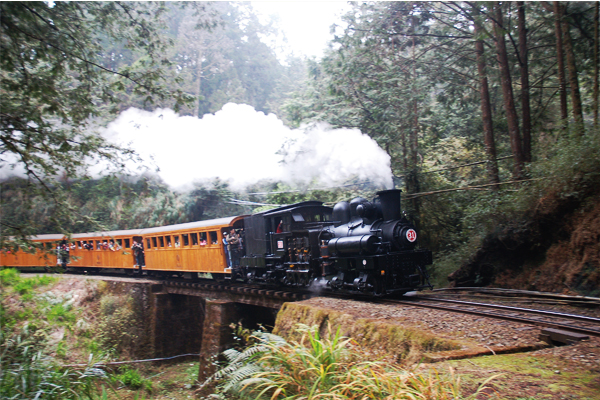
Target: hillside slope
(555, 247)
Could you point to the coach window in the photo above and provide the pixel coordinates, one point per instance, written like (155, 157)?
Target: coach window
(213, 238)
(154, 244)
(98, 244)
(202, 238)
(127, 243)
(168, 240)
(161, 241)
(48, 245)
(148, 243)
(194, 239)
(186, 239)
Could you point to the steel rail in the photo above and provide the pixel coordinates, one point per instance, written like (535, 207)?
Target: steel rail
(547, 324)
(528, 293)
(519, 309)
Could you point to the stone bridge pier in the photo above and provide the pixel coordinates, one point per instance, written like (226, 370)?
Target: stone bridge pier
(192, 318)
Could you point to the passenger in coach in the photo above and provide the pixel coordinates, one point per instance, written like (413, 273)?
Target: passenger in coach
(138, 253)
(241, 250)
(226, 247)
(62, 257)
(234, 240)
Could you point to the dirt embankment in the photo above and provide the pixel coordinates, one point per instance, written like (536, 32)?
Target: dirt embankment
(555, 248)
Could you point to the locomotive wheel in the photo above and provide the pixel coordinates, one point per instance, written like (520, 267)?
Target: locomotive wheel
(379, 287)
(304, 280)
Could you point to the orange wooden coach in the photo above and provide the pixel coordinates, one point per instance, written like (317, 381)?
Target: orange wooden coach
(194, 247)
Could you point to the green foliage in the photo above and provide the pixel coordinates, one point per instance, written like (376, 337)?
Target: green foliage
(192, 372)
(61, 313)
(132, 379)
(114, 203)
(323, 367)
(26, 373)
(457, 223)
(118, 327)
(11, 277)
(28, 324)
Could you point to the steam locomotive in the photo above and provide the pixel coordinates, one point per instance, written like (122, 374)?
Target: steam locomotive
(359, 246)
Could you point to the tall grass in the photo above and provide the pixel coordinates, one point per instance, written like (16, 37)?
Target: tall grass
(324, 368)
(27, 373)
(26, 369)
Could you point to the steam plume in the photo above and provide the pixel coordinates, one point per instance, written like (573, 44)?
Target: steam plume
(243, 146)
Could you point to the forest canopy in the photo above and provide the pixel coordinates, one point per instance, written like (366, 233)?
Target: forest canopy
(483, 108)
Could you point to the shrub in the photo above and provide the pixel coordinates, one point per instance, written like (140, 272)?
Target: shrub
(323, 368)
(9, 276)
(27, 373)
(117, 326)
(132, 379)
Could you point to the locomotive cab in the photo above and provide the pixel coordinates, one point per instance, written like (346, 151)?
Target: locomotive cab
(282, 244)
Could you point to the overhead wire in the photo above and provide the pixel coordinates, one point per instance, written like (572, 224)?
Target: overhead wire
(407, 196)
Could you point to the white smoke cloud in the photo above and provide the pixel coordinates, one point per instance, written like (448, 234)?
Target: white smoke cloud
(242, 146)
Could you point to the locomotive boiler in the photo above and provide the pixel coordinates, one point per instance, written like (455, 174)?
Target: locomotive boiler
(363, 246)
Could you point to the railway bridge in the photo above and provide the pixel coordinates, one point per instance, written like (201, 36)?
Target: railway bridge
(195, 318)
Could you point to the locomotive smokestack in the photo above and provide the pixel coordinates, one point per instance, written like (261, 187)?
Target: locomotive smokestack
(390, 204)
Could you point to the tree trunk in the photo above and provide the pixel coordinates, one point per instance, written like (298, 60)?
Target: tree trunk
(199, 85)
(562, 82)
(486, 108)
(572, 68)
(596, 44)
(413, 178)
(404, 152)
(524, 67)
(507, 93)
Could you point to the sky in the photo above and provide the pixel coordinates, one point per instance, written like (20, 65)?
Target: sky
(306, 23)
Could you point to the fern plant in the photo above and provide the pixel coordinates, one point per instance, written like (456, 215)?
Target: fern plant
(325, 367)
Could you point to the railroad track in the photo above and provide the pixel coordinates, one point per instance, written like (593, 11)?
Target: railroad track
(516, 295)
(579, 324)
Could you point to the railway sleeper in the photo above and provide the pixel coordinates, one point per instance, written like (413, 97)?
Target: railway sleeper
(561, 337)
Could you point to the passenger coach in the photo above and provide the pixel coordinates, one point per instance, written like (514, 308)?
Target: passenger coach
(182, 249)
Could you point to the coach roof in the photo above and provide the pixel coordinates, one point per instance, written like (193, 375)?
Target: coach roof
(219, 222)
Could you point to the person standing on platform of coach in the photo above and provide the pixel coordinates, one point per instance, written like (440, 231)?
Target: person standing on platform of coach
(233, 241)
(138, 253)
(226, 246)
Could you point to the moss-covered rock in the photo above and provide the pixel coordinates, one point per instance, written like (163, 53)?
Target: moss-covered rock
(378, 339)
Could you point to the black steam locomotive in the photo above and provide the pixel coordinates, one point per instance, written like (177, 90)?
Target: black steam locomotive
(359, 246)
